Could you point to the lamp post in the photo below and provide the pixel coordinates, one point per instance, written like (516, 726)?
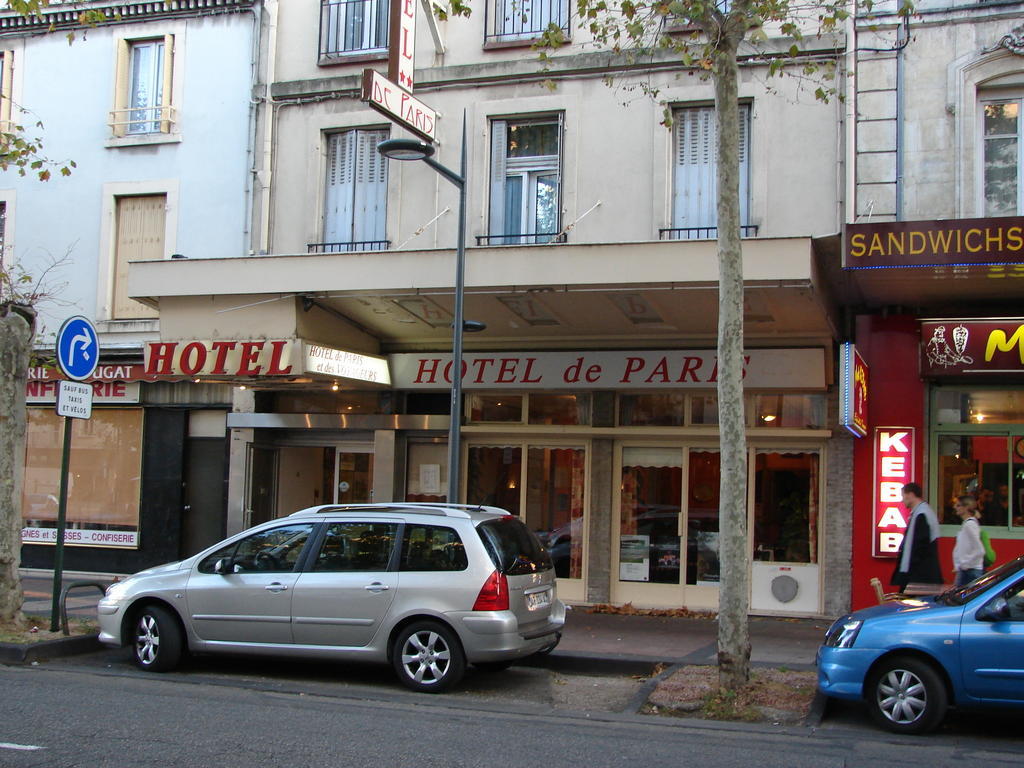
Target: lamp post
(414, 149)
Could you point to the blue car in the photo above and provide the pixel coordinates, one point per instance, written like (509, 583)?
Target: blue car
(911, 659)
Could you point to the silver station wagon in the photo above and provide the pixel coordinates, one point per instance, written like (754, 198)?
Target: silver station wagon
(428, 588)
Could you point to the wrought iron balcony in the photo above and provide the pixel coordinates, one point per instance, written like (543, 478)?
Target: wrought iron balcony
(349, 27)
(702, 233)
(353, 246)
(541, 238)
(509, 21)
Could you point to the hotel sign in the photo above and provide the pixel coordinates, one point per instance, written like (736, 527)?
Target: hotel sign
(934, 243)
(399, 105)
(673, 369)
(894, 468)
(853, 396)
(262, 358)
(972, 347)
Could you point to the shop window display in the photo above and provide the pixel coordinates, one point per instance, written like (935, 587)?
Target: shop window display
(786, 507)
(427, 472)
(651, 491)
(702, 518)
(553, 504)
(978, 465)
(104, 481)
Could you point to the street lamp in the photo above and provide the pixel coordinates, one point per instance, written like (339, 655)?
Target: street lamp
(414, 149)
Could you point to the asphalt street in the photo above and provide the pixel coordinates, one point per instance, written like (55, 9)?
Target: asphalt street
(98, 710)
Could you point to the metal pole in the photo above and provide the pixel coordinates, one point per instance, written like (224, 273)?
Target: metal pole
(62, 510)
(455, 428)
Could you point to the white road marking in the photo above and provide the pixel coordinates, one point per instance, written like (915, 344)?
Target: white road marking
(22, 747)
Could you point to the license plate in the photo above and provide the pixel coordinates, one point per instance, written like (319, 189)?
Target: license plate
(538, 600)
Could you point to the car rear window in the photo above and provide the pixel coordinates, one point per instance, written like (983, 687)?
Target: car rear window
(513, 547)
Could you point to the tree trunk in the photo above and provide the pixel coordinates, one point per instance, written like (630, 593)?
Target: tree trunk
(734, 587)
(16, 329)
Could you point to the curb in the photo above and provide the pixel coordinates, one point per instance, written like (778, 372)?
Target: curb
(17, 653)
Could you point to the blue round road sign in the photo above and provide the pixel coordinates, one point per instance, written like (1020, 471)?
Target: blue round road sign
(78, 348)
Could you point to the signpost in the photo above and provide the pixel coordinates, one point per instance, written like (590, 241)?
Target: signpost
(78, 353)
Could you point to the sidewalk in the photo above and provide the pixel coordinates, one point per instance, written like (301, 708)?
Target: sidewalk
(588, 638)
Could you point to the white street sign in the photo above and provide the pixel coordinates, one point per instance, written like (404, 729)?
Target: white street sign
(394, 102)
(74, 399)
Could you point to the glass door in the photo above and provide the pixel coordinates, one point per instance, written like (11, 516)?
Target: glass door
(353, 477)
(649, 553)
(785, 524)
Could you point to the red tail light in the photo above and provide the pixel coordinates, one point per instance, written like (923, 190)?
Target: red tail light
(493, 594)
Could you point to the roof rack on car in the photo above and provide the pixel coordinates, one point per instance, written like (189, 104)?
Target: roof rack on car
(420, 507)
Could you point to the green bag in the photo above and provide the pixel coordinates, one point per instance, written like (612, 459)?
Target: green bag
(990, 553)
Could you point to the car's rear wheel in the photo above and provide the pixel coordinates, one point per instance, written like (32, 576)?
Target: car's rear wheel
(157, 639)
(428, 657)
(907, 695)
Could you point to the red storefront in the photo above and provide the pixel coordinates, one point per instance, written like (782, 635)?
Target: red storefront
(946, 402)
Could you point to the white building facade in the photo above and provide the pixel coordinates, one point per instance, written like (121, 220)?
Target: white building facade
(153, 105)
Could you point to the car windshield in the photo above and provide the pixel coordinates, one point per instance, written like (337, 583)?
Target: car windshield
(513, 548)
(962, 595)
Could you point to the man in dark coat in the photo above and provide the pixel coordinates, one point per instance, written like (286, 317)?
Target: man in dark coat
(918, 560)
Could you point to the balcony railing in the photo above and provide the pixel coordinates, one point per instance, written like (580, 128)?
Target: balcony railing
(349, 247)
(541, 238)
(140, 120)
(514, 20)
(702, 233)
(349, 27)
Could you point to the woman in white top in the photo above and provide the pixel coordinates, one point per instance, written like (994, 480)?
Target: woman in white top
(969, 552)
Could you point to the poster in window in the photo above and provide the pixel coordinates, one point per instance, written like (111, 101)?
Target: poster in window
(707, 559)
(634, 558)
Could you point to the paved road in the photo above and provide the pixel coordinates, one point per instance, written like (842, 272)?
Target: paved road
(99, 711)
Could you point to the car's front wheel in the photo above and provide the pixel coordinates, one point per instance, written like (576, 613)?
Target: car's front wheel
(428, 657)
(907, 695)
(157, 639)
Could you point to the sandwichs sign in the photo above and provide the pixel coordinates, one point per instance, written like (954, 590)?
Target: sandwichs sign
(934, 243)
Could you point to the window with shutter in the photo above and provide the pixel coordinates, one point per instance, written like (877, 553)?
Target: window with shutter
(525, 205)
(355, 196)
(695, 193)
(1003, 152)
(142, 94)
(140, 225)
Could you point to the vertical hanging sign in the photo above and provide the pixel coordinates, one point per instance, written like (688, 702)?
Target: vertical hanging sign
(392, 95)
(853, 395)
(894, 468)
(402, 43)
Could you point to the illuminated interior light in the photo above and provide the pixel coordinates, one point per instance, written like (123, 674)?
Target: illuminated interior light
(334, 387)
(769, 417)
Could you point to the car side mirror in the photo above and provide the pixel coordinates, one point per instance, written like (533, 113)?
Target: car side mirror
(997, 610)
(224, 566)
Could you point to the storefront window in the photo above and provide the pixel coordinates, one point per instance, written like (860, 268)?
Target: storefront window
(490, 408)
(702, 519)
(703, 409)
(554, 504)
(493, 476)
(789, 411)
(978, 465)
(786, 507)
(955, 406)
(559, 409)
(427, 472)
(652, 410)
(651, 492)
(104, 480)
